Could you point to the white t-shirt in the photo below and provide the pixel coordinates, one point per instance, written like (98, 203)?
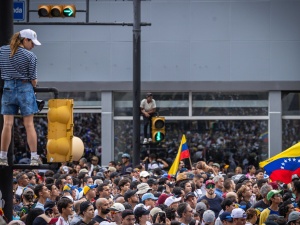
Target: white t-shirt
(148, 106)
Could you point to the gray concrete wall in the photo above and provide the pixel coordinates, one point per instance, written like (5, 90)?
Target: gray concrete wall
(189, 40)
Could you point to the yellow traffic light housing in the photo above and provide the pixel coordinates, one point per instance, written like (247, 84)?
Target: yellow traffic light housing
(60, 132)
(57, 10)
(158, 129)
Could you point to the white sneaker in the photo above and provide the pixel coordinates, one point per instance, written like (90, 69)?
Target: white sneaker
(35, 161)
(145, 141)
(149, 139)
(3, 162)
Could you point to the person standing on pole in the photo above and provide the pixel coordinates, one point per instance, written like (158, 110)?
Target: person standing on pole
(148, 109)
(18, 66)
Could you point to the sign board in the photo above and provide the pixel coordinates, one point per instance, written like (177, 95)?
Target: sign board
(19, 11)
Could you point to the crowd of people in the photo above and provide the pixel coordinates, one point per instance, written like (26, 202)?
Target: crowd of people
(86, 193)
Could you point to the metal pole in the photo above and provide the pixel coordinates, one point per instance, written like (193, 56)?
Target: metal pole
(136, 80)
(6, 173)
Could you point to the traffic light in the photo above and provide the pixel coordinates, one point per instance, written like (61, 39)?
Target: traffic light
(158, 129)
(57, 10)
(61, 145)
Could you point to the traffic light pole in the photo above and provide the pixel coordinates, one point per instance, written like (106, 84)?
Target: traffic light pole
(136, 80)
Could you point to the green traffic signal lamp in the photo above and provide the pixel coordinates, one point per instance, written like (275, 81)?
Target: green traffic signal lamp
(69, 11)
(159, 136)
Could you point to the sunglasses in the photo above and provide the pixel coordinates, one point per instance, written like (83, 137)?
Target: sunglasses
(210, 186)
(114, 212)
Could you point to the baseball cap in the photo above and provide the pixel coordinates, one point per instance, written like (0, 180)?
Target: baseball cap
(144, 174)
(117, 207)
(129, 194)
(272, 193)
(27, 190)
(148, 196)
(201, 206)
(84, 170)
(238, 213)
(216, 165)
(86, 188)
(112, 169)
(149, 94)
(139, 211)
(84, 205)
(226, 216)
(49, 205)
(294, 216)
(209, 182)
(209, 216)
(30, 34)
(172, 199)
(190, 194)
(295, 177)
(143, 188)
(125, 155)
(69, 187)
(155, 210)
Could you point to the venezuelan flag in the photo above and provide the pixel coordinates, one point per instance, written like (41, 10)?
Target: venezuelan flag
(183, 153)
(282, 166)
(264, 137)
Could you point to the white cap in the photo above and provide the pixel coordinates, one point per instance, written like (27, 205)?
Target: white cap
(30, 34)
(144, 174)
(118, 207)
(170, 200)
(238, 213)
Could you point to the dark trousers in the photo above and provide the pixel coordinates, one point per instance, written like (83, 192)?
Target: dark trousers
(147, 121)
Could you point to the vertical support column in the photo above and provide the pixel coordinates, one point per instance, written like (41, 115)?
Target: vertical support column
(275, 123)
(107, 127)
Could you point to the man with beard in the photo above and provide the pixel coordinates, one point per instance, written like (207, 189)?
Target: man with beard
(102, 205)
(214, 201)
(198, 181)
(191, 199)
(125, 163)
(131, 197)
(185, 213)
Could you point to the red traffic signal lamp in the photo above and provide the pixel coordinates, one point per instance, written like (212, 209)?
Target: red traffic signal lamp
(57, 10)
(158, 129)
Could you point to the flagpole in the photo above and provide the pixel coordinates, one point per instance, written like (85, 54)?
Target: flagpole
(190, 162)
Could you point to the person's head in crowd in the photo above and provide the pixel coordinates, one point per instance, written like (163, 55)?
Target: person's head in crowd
(27, 195)
(77, 168)
(200, 207)
(227, 205)
(178, 192)
(294, 218)
(135, 174)
(229, 185)
(32, 179)
(238, 170)
(82, 162)
(49, 173)
(141, 215)
(32, 214)
(153, 183)
(95, 160)
(125, 159)
(248, 183)
(89, 191)
(112, 164)
(186, 186)
(264, 190)
(190, 198)
(102, 204)
(154, 211)
(296, 188)
(185, 213)
(124, 185)
(41, 192)
(261, 182)
(239, 216)
(110, 202)
(65, 206)
(210, 189)
(143, 188)
(69, 179)
(244, 193)
(226, 218)
(71, 189)
(286, 208)
(216, 167)
(219, 182)
(251, 170)
(181, 165)
(255, 189)
(50, 208)
(274, 197)
(161, 199)
(77, 206)
(149, 200)
(131, 197)
(114, 176)
(281, 221)
(209, 217)
(259, 174)
(128, 217)
(103, 190)
(86, 211)
(22, 179)
(54, 192)
(144, 176)
(116, 212)
(169, 187)
(251, 215)
(49, 180)
(198, 180)
(87, 180)
(119, 199)
(134, 184)
(172, 202)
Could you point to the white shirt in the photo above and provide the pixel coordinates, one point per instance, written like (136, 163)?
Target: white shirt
(61, 221)
(148, 106)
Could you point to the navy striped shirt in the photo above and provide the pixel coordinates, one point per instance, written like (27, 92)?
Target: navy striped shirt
(21, 66)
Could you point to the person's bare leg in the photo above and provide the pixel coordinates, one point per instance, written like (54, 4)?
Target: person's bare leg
(8, 121)
(31, 133)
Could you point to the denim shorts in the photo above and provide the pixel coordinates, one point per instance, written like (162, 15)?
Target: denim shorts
(18, 95)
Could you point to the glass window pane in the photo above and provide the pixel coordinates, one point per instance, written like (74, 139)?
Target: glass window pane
(167, 103)
(236, 142)
(290, 103)
(290, 133)
(230, 104)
